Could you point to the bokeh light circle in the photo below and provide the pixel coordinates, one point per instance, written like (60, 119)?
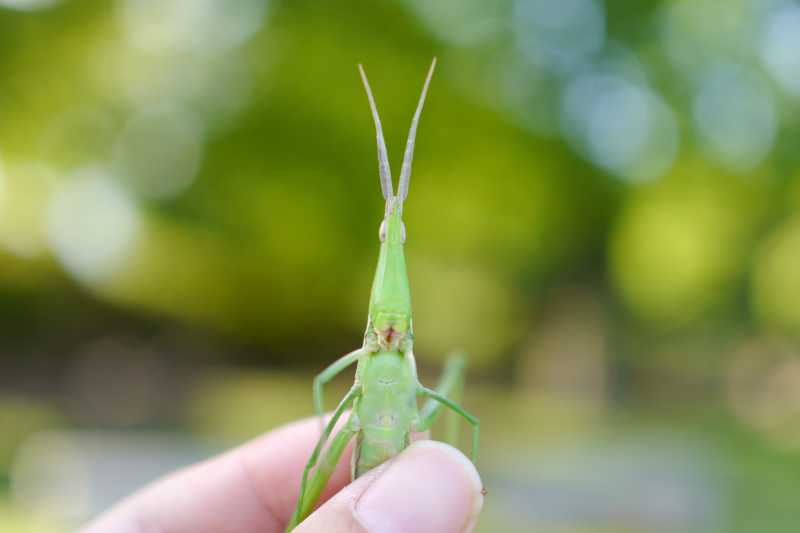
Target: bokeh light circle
(92, 225)
(620, 126)
(159, 151)
(27, 5)
(559, 36)
(780, 47)
(734, 113)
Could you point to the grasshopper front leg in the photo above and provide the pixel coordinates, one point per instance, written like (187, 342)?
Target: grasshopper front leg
(324, 377)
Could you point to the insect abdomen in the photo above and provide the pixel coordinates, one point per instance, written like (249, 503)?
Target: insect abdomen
(386, 410)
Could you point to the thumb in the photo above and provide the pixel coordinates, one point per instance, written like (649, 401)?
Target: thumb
(429, 488)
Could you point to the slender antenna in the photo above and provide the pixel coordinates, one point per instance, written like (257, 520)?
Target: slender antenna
(383, 158)
(408, 156)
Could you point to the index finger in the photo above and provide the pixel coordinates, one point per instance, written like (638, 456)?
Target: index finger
(251, 488)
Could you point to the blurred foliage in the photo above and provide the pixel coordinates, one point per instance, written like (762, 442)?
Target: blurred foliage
(229, 182)
(22, 418)
(275, 229)
(604, 213)
(22, 522)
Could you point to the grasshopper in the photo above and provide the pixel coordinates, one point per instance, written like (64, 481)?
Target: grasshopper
(383, 398)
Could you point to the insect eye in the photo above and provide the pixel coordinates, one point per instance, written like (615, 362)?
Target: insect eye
(382, 231)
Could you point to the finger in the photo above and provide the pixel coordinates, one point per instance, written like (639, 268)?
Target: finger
(251, 488)
(430, 487)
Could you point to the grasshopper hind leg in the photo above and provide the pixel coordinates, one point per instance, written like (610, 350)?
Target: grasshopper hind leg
(451, 384)
(449, 388)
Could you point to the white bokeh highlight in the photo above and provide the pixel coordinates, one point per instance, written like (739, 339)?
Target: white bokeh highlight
(159, 151)
(559, 36)
(780, 47)
(92, 225)
(159, 26)
(621, 126)
(27, 5)
(2, 183)
(461, 22)
(735, 116)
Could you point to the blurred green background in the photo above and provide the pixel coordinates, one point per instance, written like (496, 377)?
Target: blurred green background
(604, 212)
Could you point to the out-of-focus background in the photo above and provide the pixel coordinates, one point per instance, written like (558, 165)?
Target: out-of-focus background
(604, 212)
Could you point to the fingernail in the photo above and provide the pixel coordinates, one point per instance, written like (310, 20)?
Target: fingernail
(430, 487)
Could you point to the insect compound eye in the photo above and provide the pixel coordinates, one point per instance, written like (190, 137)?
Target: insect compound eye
(382, 231)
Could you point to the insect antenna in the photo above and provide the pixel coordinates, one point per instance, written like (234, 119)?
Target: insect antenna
(383, 158)
(408, 156)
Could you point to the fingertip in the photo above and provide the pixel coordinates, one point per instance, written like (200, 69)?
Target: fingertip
(430, 487)
(450, 453)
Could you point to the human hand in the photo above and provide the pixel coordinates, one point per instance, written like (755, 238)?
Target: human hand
(430, 487)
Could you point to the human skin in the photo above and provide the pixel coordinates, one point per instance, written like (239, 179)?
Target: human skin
(429, 487)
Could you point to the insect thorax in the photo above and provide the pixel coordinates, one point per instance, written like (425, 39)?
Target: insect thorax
(390, 332)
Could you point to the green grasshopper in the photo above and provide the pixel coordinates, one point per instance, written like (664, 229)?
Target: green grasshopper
(383, 397)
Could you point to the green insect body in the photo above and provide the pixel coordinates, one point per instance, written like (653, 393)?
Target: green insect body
(386, 409)
(383, 398)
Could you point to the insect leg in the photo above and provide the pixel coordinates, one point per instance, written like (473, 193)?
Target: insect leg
(306, 502)
(449, 385)
(348, 400)
(469, 417)
(324, 377)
